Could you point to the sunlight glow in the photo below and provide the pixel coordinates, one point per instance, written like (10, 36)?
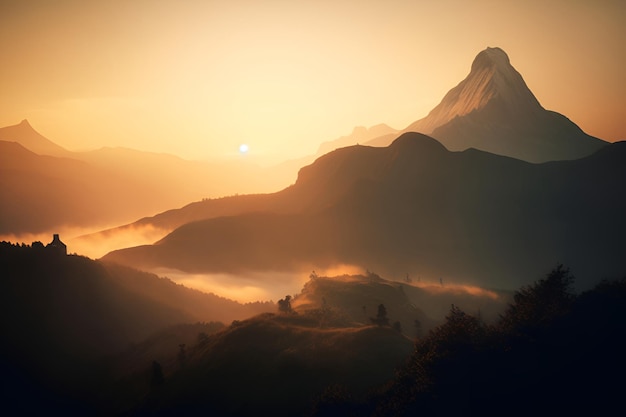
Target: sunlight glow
(244, 288)
(291, 75)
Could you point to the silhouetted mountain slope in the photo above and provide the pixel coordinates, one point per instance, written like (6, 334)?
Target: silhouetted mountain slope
(552, 353)
(416, 207)
(492, 109)
(207, 208)
(355, 299)
(201, 306)
(276, 365)
(84, 189)
(60, 313)
(313, 196)
(25, 135)
(291, 200)
(42, 192)
(360, 134)
(39, 192)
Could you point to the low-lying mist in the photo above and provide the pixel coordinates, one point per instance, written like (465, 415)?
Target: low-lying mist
(253, 286)
(244, 288)
(94, 242)
(434, 288)
(429, 295)
(96, 245)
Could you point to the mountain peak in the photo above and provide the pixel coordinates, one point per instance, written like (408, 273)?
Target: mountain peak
(24, 134)
(492, 78)
(417, 141)
(493, 109)
(491, 57)
(360, 134)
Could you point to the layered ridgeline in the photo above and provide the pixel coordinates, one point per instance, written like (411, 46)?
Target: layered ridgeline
(413, 207)
(44, 187)
(62, 314)
(91, 308)
(493, 110)
(82, 337)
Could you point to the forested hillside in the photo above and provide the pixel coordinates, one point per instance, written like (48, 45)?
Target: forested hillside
(553, 352)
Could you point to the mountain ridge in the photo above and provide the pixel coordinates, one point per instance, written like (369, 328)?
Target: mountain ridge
(32, 140)
(78, 190)
(472, 215)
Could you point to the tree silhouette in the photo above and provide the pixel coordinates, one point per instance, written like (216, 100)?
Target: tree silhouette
(182, 355)
(156, 378)
(284, 305)
(551, 346)
(203, 339)
(537, 305)
(418, 328)
(381, 317)
(397, 326)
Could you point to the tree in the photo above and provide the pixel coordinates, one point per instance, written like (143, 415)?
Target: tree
(458, 338)
(203, 339)
(381, 317)
(284, 305)
(539, 304)
(418, 328)
(182, 355)
(397, 326)
(156, 378)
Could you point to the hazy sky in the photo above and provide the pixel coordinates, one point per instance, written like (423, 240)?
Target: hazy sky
(197, 78)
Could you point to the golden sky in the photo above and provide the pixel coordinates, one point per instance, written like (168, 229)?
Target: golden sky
(197, 78)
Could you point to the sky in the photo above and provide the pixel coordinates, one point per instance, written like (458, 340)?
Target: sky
(199, 78)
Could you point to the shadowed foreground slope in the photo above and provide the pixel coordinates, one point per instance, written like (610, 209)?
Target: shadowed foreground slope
(277, 365)
(319, 355)
(282, 364)
(552, 353)
(60, 315)
(356, 298)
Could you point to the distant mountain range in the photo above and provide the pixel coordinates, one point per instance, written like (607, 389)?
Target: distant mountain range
(492, 110)
(84, 189)
(24, 134)
(84, 337)
(44, 186)
(414, 207)
(360, 134)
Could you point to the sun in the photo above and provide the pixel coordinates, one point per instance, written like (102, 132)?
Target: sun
(243, 148)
